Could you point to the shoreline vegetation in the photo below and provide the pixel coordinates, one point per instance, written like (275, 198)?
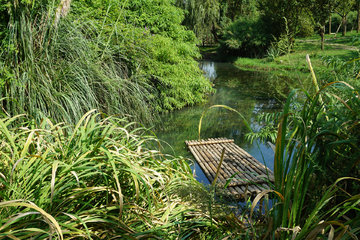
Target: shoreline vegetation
(339, 48)
(79, 80)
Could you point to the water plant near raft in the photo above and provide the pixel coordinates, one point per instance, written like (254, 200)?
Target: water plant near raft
(314, 194)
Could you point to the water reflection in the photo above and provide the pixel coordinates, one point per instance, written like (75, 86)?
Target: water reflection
(209, 69)
(250, 93)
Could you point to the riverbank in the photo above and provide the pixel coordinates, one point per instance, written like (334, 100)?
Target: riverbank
(341, 48)
(208, 52)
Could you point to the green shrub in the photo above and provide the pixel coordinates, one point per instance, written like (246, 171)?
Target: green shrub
(305, 29)
(94, 58)
(246, 37)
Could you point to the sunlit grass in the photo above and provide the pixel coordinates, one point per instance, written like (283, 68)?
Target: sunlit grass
(294, 64)
(99, 179)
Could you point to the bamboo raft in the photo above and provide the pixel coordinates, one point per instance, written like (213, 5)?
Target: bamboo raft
(250, 176)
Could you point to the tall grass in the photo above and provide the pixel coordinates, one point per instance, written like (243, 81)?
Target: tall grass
(62, 69)
(97, 179)
(317, 167)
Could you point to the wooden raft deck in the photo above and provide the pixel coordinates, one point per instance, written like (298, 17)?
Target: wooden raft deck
(250, 172)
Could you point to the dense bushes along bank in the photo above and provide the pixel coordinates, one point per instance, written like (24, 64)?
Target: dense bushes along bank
(62, 59)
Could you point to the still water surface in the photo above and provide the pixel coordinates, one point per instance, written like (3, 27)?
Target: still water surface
(250, 93)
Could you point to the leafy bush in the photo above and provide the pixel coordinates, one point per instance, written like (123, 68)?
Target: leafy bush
(305, 29)
(246, 37)
(63, 67)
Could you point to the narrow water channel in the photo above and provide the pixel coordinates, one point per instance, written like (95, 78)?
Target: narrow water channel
(250, 93)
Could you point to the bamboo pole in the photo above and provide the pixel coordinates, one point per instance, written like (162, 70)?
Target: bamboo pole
(205, 168)
(209, 163)
(218, 169)
(251, 160)
(208, 152)
(254, 178)
(209, 141)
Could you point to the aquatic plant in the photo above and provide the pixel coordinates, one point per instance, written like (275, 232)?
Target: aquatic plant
(316, 166)
(312, 146)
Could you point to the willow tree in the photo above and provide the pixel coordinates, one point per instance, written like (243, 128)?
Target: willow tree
(233, 9)
(202, 16)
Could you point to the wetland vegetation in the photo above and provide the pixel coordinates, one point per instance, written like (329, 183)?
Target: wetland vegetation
(84, 84)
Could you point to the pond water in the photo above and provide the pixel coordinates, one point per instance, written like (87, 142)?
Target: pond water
(250, 93)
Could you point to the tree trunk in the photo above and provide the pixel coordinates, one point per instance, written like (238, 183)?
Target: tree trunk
(322, 34)
(213, 31)
(337, 30)
(358, 18)
(344, 25)
(330, 25)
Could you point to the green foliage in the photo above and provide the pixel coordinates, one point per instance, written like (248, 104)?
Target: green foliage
(351, 21)
(202, 16)
(282, 45)
(314, 140)
(58, 73)
(118, 56)
(274, 12)
(268, 131)
(234, 9)
(305, 29)
(97, 179)
(246, 37)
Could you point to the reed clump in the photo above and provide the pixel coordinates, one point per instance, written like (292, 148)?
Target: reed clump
(316, 165)
(52, 68)
(97, 179)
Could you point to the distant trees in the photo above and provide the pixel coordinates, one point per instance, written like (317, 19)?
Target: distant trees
(209, 17)
(342, 8)
(357, 8)
(230, 22)
(320, 10)
(274, 12)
